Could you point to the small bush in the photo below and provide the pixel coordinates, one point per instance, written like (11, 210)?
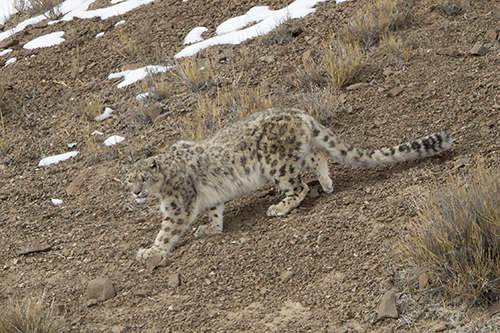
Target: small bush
(395, 49)
(342, 61)
(283, 34)
(49, 8)
(27, 316)
(310, 75)
(456, 237)
(195, 74)
(450, 7)
(376, 20)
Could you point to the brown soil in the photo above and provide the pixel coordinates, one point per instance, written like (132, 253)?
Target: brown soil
(340, 247)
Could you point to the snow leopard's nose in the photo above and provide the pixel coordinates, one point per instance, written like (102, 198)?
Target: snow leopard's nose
(137, 193)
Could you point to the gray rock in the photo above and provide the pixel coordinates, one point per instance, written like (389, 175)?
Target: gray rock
(387, 307)
(100, 289)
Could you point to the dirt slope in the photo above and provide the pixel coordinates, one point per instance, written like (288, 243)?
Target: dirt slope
(339, 247)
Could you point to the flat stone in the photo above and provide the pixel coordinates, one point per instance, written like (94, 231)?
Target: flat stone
(91, 302)
(100, 289)
(142, 293)
(153, 112)
(387, 307)
(494, 309)
(174, 280)
(387, 71)
(9, 42)
(74, 186)
(354, 86)
(395, 91)
(153, 262)
(130, 67)
(448, 52)
(119, 329)
(57, 310)
(286, 276)
(492, 34)
(423, 281)
(439, 327)
(306, 56)
(37, 247)
(479, 50)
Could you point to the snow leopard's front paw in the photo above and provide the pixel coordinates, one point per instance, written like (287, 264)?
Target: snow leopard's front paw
(277, 210)
(206, 230)
(144, 254)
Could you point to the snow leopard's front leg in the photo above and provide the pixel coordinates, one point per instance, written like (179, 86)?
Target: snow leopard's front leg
(172, 228)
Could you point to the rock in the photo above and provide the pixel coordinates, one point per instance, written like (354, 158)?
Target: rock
(492, 34)
(57, 310)
(354, 86)
(91, 302)
(423, 281)
(286, 276)
(174, 280)
(37, 247)
(314, 193)
(395, 91)
(74, 186)
(306, 56)
(267, 59)
(479, 50)
(387, 71)
(142, 293)
(100, 289)
(387, 307)
(439, 327)
(448, 52)
(165, 262)
(153, 112)
(41, 24)
(119, 329)
(153, 262)
(130, 67)
(494, 309)
(9, 42)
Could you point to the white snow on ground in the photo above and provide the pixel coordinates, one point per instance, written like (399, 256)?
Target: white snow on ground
(10, 61)
(57, 158)
(135, 75)
(96, 133)
(99, 35)
(228, 32)
(4, 52)
(56, 201)
(113, 140)
(45, 41)
(120, 23)
(107, 114)
(194, 35)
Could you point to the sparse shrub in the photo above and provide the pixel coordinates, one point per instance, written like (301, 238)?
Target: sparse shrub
(243, 101)
(319, 102)
(310, 75)
(49, 8)
(450, 7)
(342, 61)
(395, 49)
(376, 20)
(92, 108)
(195, 74)
(456, 237)
(283, 34)
(27, 316)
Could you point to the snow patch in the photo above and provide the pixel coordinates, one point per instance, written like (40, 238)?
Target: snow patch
(113, 140)
(135, 75)
(10, 61)
(107, 114)
(99, 35)
(4, 52)
(56, 201)
(57, 158)
(45, 41)
(194, 35)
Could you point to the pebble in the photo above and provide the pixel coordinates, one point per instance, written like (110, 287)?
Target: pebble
(395, 91)
(423, 281)
(119, 329)
(494, 309)
(153, 262)
(439, 327)
(286, 276)
(479, 50)
(57, 310)
(174, 280)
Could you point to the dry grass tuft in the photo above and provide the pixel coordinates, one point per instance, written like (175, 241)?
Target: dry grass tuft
(195, 74)
(342, 61)
(283, 34)
(395, 49)
(456, 237)
(450, 7)
(28, 8)
(310, 75)
(376, 20)
(27, 316)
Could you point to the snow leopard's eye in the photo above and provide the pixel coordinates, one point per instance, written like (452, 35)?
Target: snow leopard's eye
(145, 178)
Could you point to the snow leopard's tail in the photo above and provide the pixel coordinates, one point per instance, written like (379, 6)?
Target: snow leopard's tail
(346, 154)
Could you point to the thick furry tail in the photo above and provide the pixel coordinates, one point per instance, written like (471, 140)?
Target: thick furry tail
(346, 154)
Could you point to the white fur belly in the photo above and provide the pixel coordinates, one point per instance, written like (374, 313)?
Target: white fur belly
(227, 189)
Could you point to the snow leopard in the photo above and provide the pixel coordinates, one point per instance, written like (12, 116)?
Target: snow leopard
(276, 145)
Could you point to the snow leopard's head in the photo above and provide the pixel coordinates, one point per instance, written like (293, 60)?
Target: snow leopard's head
(143, 179)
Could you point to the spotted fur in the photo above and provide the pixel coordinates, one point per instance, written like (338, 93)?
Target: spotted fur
(275, 144)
